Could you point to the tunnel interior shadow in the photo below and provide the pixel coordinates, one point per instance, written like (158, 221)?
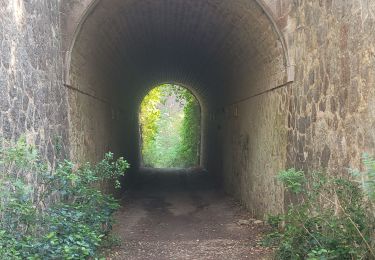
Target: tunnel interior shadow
(152, 179)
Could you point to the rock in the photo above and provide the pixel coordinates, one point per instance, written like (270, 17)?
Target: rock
(243, 222)
(258, 222)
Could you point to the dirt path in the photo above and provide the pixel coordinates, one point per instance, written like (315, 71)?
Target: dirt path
(177, 221)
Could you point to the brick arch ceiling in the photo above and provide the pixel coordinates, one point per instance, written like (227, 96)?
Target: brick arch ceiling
(210, 45)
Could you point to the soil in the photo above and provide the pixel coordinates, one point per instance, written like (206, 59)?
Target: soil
(181, 215)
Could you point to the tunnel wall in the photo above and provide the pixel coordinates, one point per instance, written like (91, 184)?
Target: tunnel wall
(331, 103)
(253, 151)
(95, 116)
(324, 119)
(103, 112)
(251, 133)
(32, 100)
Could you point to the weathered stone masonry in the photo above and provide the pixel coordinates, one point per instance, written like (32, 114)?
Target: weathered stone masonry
(32, 99)
(326, 116)
(283, 83)
(330, 119)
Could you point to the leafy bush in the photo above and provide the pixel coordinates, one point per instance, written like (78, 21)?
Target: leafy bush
(292, 179)
(333, 219)
(53, 214)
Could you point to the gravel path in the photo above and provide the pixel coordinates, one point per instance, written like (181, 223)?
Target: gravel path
(182, 220)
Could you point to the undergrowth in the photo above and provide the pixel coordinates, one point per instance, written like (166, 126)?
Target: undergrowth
(53, 214)
(331, 217)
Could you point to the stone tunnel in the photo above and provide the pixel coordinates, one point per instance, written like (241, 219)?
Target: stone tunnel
(230, 54)
(281, 83)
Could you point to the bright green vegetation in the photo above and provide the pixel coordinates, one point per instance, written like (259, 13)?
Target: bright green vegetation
(54, 213)
(170, 128)
(331, 217)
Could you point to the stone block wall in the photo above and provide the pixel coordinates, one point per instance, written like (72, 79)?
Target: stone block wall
(254, 150)
(331, 103)
(325, 118)
(32, 98)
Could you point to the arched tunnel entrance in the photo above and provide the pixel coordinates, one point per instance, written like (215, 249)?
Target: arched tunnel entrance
(234, 59)
(232, 55)
(169, 122)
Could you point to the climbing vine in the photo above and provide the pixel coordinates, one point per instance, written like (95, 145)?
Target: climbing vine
(170, 127)
(190, 130)
(149, 117)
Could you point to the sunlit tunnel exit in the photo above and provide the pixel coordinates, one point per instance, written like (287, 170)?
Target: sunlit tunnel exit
(169, 120)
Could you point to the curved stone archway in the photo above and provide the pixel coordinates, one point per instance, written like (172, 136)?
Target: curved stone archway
(75, 12)
(230, 53)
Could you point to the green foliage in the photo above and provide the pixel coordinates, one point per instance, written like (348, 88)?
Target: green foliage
(367, 178)
(170, 130)
(293, 180)
(53, 214)
(333, 219)
(148, 118)
(111, 241)
(190, 131)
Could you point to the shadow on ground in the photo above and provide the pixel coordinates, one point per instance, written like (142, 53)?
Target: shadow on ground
(182, 214)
